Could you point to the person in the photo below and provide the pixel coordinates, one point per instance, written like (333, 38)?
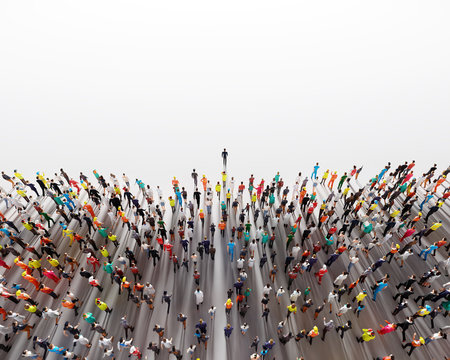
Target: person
(228, 330)
(230, 247)
(389, 327)
(198, 297)
(327, 326)
(415, 343)
(314, 173)
(224, 158)
(343, 328)
(102, 305)
(367, 335)
(379, 287)
(166, 298)
(312, 334)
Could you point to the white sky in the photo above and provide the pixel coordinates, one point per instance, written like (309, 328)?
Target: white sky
(155, 88)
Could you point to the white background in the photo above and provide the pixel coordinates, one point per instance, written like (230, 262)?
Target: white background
(155, 88)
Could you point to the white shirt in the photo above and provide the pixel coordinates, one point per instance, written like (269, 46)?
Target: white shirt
(259, 233)
(340, 279)
(243, 275)
(267, 290)
(191, 349)
(280, 292)
(251, 262)
(198, 296)
(106, 342)
(17, 317)
(294, 296)
(405, 255)
(50, 313)
(244, 328)
(331, 296)
(166, 343)
(108, 352)
(28, 353)
(82, 340)
(344, 309)
(295, 251)
(240, 263)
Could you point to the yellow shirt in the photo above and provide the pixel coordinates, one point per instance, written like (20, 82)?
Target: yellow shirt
(27, 226)
(35, 264)
(53, 262)
(436, 226)
(112, 237)
(360, 297)
(104, 252)
(31, 308)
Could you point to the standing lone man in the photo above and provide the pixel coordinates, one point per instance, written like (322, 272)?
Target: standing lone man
(224, 157)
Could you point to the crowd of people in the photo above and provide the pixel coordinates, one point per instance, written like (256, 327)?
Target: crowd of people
(67, 240)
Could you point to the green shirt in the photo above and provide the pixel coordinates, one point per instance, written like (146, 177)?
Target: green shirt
(90, 318)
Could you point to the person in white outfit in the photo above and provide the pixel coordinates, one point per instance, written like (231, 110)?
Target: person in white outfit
(198, 297)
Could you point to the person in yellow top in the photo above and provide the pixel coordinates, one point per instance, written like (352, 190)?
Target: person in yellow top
(35, 264)
(84, 185)
(117, 192)
(228, 196)
(19, 176)
(228, 306)
(224, 178)
(345, 192)
(218, 189)
(113, 239)
(33, 309)
(433, 227)
(105, 253)
(367, 335)
(372, 207)
(254, 198)
(102, 305)
(73, 194)
(172, 203)
(23, 193)
(54, 262)
(42, 178)
(423, 311)
(324, 177)
(395, 213)
(360, 297)
(291, 309)
(29, 227)
(69, 234)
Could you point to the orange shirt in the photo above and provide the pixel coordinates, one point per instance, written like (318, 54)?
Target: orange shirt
(68, 304)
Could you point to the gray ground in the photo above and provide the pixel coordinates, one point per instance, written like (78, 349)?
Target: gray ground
(216, 277)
